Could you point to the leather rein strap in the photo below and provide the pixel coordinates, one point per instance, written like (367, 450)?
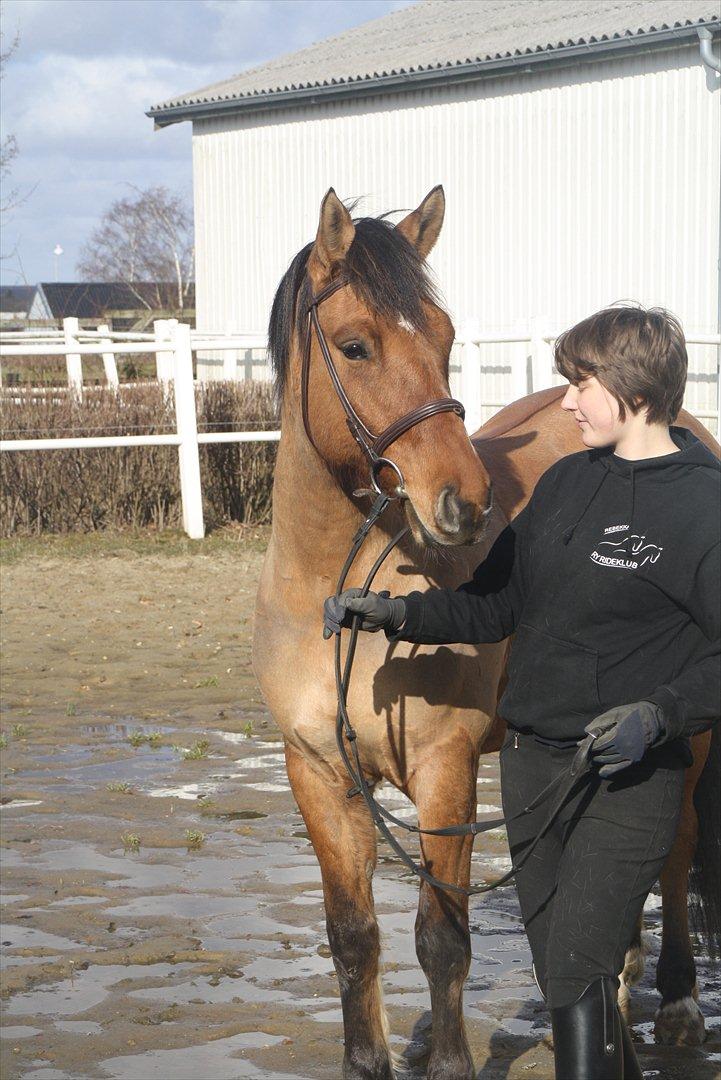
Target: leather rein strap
(373, 447)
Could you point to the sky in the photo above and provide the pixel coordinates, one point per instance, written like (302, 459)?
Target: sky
(75, 92)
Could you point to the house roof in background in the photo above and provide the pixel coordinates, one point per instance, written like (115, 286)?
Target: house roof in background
(16, 298)
(446, 39)
(92, 299)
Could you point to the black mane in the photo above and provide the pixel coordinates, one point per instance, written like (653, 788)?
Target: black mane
(384, 270)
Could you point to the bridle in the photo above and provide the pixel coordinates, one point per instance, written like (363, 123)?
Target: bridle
(373, 447)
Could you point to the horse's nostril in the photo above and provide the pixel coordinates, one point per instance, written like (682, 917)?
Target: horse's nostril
(448, 513)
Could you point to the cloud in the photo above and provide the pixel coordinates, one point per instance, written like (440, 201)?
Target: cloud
(76, 91)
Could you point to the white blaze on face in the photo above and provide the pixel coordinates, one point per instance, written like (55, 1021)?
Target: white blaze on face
(405, 325)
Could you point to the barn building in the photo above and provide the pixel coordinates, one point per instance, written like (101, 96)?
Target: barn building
(577, 142)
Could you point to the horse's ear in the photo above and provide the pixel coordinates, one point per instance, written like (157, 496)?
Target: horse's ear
(423, 226)
(335, 235)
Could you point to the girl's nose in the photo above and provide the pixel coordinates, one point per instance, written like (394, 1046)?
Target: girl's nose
(569, 399)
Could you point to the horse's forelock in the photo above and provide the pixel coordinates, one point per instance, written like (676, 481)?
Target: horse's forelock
(384, 270)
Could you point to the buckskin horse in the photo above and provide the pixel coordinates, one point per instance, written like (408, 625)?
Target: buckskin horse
(423, 714)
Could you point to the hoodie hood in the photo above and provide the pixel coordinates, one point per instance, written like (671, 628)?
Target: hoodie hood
(691, 454)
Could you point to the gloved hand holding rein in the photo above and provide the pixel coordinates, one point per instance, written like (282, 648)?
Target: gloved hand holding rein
(624, 734)
(379, 610)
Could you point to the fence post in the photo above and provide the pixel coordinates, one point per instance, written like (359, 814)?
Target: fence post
(189, 459)
(73, 362)
(109, 365)
(230, 365)
(162, 329)
(470, 380)
(541, 354)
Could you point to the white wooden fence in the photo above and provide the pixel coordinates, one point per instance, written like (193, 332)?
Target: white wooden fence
(172, 343)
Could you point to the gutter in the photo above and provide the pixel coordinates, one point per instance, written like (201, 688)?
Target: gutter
(707, 55)
(420, 80)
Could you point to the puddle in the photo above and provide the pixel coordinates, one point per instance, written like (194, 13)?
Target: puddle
(182, 905)
(79, 1027)
(218, 1058)
(86, 989)
(239, 738)
(120, 732)
(195, 790)
(27, 937)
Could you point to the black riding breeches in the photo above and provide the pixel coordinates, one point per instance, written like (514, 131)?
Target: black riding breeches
(584, 887)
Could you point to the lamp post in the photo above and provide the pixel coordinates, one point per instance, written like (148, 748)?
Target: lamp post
(57, 252)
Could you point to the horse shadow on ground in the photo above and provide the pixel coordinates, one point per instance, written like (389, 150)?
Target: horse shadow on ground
(503, 1048)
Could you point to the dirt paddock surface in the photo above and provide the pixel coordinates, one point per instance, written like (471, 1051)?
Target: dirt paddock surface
(162, 908)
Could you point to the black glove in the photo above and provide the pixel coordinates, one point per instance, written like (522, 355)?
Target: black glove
(379, 611)
(623, 735)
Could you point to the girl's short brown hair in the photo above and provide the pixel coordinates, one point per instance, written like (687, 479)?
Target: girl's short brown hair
(638, 354)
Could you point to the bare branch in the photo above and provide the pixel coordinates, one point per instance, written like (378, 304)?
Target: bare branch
(144, 238)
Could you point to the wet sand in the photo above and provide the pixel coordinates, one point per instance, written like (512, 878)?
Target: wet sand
(187, 956)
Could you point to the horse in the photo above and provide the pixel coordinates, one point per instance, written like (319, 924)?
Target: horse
(423, 714)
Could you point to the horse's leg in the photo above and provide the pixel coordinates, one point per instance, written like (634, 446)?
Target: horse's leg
(444, 792)
(343, 836)
(679, 1019)
(633, 968)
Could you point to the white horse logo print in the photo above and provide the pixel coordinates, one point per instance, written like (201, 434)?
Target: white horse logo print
(628, 553)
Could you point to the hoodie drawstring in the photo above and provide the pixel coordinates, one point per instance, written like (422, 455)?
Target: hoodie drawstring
(633, 501)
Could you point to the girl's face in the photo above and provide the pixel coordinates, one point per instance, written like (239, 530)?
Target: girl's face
(596, 412)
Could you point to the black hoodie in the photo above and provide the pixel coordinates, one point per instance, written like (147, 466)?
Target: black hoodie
(610, 581)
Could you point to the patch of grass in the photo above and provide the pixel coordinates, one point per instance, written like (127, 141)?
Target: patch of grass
(137, 738)
(212, 680)
(131, 842)
(3, 742)
(120, 787)
(194, 838)
(70, 709)
(20, 731)
(135, 543)
(155, 738)
(247, 729)
(197, 751)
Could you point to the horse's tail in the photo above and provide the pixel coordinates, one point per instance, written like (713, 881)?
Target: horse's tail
(705, 880)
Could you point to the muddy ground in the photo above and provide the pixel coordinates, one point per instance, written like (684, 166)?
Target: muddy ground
(162, 913)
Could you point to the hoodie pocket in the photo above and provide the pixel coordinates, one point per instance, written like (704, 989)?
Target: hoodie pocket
(551, 682)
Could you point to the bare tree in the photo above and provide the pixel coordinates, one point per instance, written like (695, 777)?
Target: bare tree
(145, 237)
(9, 146)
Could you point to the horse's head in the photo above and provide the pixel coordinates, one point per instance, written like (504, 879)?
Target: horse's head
(389, 341)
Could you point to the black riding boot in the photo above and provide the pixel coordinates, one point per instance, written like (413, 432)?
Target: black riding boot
(631, 1067)
(587, 1035)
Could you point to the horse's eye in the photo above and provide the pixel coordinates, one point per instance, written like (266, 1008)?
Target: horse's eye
(354, 351)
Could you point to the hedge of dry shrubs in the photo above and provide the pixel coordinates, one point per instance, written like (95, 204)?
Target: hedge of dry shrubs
(84, 490)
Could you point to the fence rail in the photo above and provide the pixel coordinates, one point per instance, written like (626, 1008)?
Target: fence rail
(173, 344)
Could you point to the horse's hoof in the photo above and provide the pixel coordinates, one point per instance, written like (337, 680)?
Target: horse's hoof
(680, 1023)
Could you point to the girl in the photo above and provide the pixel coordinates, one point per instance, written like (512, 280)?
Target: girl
(609, 581)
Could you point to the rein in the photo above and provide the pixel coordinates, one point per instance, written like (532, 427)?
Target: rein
(373, 447)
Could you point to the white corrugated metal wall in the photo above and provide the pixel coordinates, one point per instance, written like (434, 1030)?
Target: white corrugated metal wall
(567, 189)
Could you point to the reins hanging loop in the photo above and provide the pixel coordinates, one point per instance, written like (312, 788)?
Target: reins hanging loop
(373, 447)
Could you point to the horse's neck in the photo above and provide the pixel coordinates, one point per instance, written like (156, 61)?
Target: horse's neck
(314, 520)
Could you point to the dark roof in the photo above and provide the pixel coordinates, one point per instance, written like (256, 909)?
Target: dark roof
(16, 298)
(92, 299)
(446, 40)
